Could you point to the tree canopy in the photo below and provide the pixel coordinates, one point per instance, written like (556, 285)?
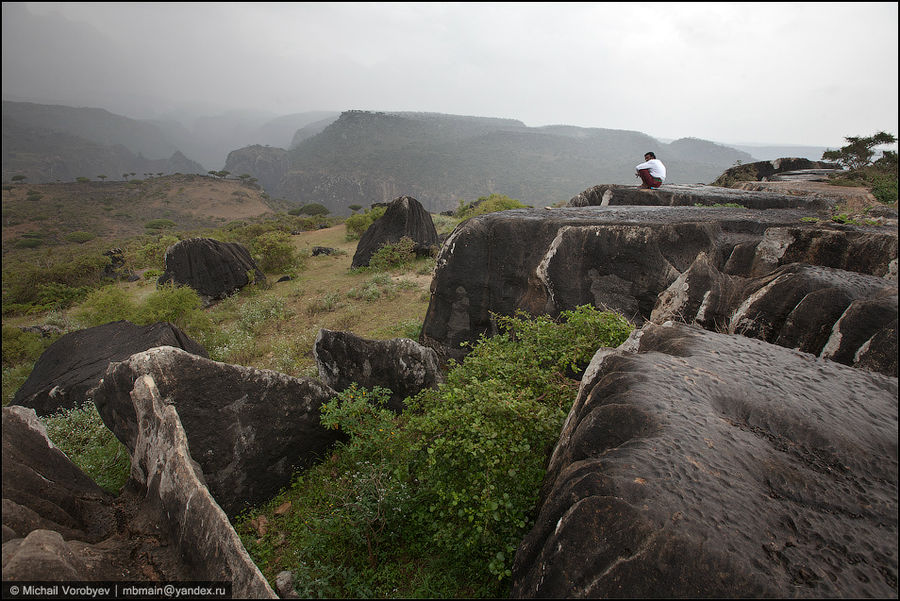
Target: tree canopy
(859, 151)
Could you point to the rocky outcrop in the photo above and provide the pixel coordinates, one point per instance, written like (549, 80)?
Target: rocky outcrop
(43, 489)
(214, 269)
(828, 312)
(249, 429)
(266, 163)
(543, 261)
(401, 365)
(622, 258)
(696, 464)
(165, 526)
(405, 217)
(76, 362)
(870, 250)
(687, 195)
(771, 170)
(162, 467)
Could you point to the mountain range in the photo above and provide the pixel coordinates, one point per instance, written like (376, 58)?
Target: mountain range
(354, 157)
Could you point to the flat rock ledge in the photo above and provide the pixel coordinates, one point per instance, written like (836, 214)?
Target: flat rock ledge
(686, 195)
(697, 464)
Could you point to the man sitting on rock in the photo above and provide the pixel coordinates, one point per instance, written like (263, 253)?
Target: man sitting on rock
(652, 172)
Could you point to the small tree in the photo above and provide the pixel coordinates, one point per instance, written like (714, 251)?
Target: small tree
(19, 178)
(859, 151)
(101, 177)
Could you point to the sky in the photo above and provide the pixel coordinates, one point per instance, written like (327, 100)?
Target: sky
(743, 73)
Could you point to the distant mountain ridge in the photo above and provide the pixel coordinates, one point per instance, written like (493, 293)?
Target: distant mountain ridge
(94, 141)
(365, 157)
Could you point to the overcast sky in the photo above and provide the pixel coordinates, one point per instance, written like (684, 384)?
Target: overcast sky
(805, 73)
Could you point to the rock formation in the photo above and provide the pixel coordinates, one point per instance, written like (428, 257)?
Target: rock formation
(75, 363)
(249, 429)
(214, 269)
(405, 217)
(699, 464)
(687, 195)
(401, 365)
(165, 526)
(828, 312)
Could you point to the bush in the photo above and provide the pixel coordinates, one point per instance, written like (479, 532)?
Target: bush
(28, 243)
(80, 237)
(160, 224)
(884, 189)
(488, 204)
(274, 251)
(106, 304)
(452, 481)
(179, 305)
(21, 347)
(81, 434)
(358, 224)
(393, 255)
(22, 281)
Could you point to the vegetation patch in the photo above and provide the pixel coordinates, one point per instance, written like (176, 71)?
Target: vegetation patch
(433, 502)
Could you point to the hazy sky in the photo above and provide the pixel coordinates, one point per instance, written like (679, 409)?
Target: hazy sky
(797, 73)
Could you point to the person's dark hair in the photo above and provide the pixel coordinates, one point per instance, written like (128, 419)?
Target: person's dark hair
(650, 154)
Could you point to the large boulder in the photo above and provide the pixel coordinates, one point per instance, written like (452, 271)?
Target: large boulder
(43, 489)
(828, 312)
(74, 364)
(165, 526)
(697, 464)
(771, 170)
(214, 269)
(545, 262)
(401, 365)
(405, 217)
(871, 250)
(249, 429)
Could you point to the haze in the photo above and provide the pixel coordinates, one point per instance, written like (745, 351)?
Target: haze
(736, 73)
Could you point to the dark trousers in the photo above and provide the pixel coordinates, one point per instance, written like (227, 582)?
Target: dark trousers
(649, 180)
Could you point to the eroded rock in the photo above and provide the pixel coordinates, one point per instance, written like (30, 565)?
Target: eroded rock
(249, 429)
(214, 269)
(74, 364)
(401, 365)
(405, 217)
(710, 465)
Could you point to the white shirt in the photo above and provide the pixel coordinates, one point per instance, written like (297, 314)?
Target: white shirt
(657, 169)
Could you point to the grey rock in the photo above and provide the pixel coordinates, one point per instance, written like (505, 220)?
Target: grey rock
(405, 217)
(401, 365)
(74, 364)
(214, 269)
(249, 429)
(687, 195)
(711, 465)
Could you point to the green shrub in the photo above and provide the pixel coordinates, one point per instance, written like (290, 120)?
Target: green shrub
(80, 237)
(81, 434)
(153, 252)
(21, 347)
(393, 255)
(179, 305)
(488, 204)
(357, 224)
(106, 304)
(55, 295)
(28, 243)
(159, 224)
(274, 251)
(22, 280)
(445, 491)
(884, 188)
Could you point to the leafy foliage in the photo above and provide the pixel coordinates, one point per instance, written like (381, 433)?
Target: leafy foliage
(859, 151)
(487, 204)
(393, 255)
(81, 434)
(452, 481)
(358, 223)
